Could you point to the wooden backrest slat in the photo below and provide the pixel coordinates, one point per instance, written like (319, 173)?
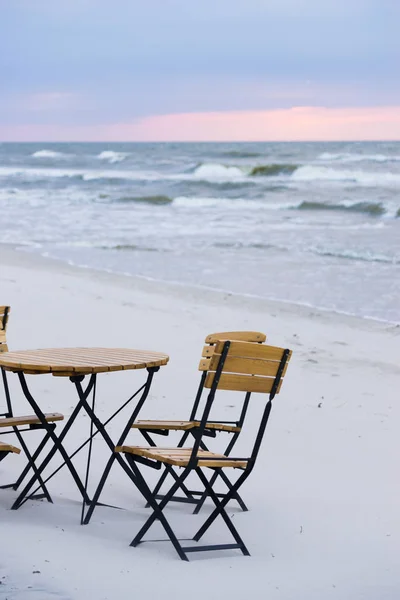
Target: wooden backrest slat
(208, 351)
(247, 366)
(243, 336)
(243, 383)
(250, 350)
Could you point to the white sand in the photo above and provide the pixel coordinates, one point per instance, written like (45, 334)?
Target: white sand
(324, 498)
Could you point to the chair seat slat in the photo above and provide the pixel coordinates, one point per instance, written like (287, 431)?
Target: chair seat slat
(180, 456)
(4, 447)
(29, 420)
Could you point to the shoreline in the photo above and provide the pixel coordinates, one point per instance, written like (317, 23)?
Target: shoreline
(20, 256)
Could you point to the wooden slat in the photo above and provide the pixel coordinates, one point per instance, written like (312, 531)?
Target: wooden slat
(70, 361)
(249, 366)
(182, 425)
(180, 456)
(248, 350)
(4, 447)
(219, 426)
(243, 383)
(243, 336)
(3, 337)
(3, 347)
(204, 364)
(172, 425)
(29, 420)
(208, 351)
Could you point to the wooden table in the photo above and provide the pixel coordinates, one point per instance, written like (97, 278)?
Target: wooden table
(76, 363)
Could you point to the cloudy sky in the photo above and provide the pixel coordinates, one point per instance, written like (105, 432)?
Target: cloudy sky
(199, 69)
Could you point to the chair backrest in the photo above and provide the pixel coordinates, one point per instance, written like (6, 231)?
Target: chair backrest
(211, 340)
(244, 367)
(4, 312)
(247, 367)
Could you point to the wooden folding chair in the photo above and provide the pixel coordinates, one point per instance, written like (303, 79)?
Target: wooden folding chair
(12, 424)
(235, 366)
(147, 427)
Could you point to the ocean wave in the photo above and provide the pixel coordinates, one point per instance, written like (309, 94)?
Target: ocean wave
(370, 208)
(211, 171)
(113, 157)
(273, 169)
(233, 203)
(362, 178)
(146, 199)
(352, 255)
(254, 245)
(354, 157)
(217, 171)
(47, 154)
(130, 247)
(83, 175)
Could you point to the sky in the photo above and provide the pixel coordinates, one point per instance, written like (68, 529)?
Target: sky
(149, 70)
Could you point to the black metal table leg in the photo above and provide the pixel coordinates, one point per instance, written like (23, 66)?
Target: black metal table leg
(83, 404)
(114, 456)
(57, 440)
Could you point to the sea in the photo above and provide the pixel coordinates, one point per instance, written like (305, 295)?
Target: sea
(314, 224)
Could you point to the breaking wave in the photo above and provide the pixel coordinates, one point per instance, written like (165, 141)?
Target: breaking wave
(113, 157)
(217, 171)
(47, 154)
(273, 169)
(223, 177)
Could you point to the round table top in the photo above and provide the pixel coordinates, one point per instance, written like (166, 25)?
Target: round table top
(80, 361)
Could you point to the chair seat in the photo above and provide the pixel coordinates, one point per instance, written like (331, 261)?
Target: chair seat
(4, 447)
(29, 420)
(182, 425)
(180, 456)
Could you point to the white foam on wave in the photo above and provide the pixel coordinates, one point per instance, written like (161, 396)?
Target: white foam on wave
(217, 171)
(47, 154)
(234, 203)
(354, 157)
(37, 173)
(113, 157)
(362, 178)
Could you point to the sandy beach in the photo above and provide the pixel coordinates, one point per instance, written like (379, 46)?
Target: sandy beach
(324, 497)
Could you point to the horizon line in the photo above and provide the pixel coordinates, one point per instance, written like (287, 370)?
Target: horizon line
(277, 141)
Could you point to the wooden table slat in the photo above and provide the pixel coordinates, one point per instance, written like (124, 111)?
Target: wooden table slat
(67, 361)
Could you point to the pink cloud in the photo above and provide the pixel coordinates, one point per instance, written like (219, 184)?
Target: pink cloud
(295, 124)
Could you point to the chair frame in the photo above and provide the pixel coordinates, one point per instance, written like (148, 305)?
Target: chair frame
(190, 495)
(15, 429)
(194, 464)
